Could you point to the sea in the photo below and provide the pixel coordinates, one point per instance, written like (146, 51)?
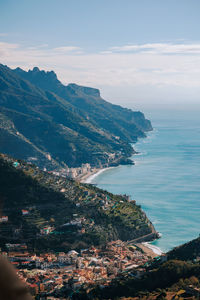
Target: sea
(165, 179)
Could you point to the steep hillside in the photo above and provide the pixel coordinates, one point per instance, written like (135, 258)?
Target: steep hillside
(120, 121)
(60, 213)
(187, 251)
(41, 118)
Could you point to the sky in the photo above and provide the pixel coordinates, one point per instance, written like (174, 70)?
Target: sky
(141, 53)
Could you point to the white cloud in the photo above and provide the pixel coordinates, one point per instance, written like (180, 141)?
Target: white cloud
(160, 48)
(6, 46)
(133, 68)
(67, 49)
(6, 49)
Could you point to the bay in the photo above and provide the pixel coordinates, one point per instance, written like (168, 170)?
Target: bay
(165, 179)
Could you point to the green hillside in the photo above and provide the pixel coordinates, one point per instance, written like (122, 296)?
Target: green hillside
(187, 251)
(73, 124)
(76, 215)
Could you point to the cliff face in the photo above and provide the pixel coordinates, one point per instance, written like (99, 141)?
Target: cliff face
(73, 124)
(77, 215)
(89, 103)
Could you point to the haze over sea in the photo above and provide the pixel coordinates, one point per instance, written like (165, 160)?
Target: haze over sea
(165, 180)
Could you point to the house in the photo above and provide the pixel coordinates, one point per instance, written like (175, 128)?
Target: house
(72, 253)
(63, 258)
(4, 219)
(46, 230)
(16, 247)
(25, 212)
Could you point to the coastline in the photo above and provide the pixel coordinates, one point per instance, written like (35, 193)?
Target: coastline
(149, 249)
(155, 249)
(90, 176)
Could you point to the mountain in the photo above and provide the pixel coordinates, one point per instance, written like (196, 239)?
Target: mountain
(120, 121)
(49, 212)
(59, 125)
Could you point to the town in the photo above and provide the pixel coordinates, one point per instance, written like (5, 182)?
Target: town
(86, 169)
(63, 236)
(61, 274)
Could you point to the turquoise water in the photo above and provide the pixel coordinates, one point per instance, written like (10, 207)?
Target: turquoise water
(166, 178)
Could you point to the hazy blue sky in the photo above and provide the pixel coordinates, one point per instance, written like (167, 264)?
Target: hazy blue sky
(135, 51)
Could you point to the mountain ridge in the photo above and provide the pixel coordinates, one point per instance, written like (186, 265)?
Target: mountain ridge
(72, 124)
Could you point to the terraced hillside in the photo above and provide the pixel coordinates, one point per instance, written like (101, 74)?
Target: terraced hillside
(51, 212)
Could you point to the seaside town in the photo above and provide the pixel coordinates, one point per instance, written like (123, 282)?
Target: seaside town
(58, 275)
(85, 170)
(99, 150)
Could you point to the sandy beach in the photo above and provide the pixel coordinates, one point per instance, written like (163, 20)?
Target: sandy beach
(87, 178)
(151, 250)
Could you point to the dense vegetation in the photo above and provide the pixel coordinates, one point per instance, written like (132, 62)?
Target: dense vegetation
(188, 251)
(41, 116)
(57, 202)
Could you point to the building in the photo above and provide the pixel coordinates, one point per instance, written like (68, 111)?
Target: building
(4, 219)
(46, 230)
(25, 212)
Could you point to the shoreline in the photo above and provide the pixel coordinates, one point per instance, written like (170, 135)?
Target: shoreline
(89, 177)
(149, 249)
(149, 252)
(155, 249)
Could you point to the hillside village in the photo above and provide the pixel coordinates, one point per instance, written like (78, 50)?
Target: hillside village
(62, 235)
(114, 269)
(86, 169)
(61, 274)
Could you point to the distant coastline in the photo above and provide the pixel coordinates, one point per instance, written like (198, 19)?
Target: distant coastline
(89, 176)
